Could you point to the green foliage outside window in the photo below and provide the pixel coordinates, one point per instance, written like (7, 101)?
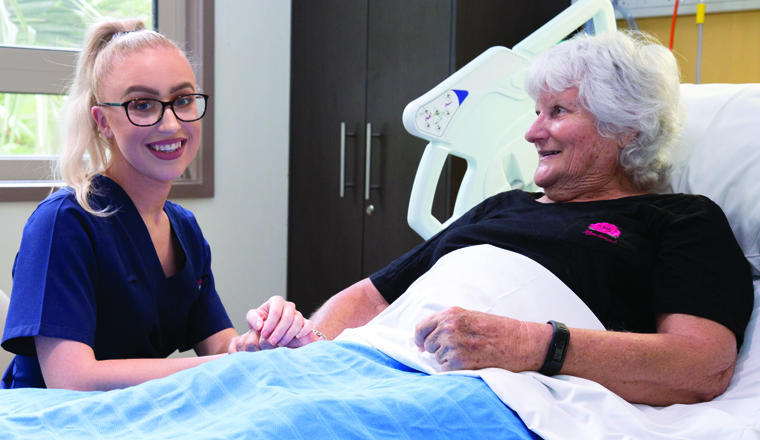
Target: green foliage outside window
(27, 121)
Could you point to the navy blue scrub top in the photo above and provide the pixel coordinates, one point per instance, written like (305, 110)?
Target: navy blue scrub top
(99, 281)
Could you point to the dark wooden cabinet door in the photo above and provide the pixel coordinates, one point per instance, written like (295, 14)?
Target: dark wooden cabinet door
(409, 53)
(335, 241)
(328, 87)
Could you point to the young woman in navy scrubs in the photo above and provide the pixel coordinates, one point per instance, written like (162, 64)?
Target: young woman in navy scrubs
(112, 278)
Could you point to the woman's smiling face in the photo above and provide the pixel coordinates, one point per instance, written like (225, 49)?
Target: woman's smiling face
(160, 152)
(575, 162)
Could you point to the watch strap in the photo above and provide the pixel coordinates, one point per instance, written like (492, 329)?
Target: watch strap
(557, 349)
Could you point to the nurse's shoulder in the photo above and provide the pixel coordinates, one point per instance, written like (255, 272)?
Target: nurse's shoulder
(60, 211)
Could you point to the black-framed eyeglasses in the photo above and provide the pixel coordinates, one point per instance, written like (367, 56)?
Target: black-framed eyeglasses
(144, 112)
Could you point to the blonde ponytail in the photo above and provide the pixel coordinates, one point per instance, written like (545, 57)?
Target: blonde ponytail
(105, 43)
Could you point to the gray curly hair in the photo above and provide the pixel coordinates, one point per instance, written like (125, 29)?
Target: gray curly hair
(629, 83)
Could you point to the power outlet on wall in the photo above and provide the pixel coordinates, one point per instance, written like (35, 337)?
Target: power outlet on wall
(660, 8)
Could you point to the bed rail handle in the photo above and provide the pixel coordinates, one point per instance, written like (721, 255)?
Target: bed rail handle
(420, 216)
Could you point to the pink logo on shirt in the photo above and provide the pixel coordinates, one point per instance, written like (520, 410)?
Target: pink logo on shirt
(606, 231)
(200, 283)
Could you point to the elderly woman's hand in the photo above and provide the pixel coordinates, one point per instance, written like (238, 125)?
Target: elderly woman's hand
(276, 323)
(468, 340)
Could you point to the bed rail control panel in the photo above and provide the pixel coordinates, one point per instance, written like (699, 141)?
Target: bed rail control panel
(481, 113)
(434, 117)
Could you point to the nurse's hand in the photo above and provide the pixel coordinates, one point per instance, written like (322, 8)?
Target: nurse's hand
(276, 323)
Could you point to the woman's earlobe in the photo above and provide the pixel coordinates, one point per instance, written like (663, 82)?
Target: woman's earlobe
(626, 139)
(101, 121)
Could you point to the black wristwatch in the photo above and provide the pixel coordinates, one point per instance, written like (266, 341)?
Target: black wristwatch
(557, 349)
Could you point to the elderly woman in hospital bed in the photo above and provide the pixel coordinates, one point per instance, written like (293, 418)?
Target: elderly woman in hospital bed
(663, 271)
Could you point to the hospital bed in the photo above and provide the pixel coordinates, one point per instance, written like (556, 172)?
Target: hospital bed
(346, 389)
(481, 113)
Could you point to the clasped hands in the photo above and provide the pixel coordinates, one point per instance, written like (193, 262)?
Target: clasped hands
(460, 339)
(276, 323)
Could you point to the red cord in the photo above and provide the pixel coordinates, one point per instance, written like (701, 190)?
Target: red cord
(673, 26)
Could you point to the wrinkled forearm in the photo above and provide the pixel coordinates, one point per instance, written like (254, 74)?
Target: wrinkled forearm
(351, 308)
(655, 369)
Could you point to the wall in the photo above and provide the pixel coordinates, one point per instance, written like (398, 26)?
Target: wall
(730, 45)
(246, 222)
(12, 218)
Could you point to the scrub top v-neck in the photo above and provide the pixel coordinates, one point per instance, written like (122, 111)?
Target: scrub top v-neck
(99, 281)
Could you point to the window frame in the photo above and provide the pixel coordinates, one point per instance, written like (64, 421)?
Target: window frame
(47, 71)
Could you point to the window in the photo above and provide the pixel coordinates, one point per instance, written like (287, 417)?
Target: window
(39, 41)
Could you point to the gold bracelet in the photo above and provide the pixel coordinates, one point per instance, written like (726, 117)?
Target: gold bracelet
(320, 334)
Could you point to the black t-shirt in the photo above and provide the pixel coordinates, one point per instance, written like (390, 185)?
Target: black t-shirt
(628, 259)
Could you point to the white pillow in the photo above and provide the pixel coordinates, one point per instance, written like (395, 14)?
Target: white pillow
(718, 156)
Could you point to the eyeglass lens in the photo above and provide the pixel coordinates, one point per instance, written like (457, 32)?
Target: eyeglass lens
(148, 111)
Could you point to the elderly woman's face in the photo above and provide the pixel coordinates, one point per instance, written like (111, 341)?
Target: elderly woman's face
(575, 162)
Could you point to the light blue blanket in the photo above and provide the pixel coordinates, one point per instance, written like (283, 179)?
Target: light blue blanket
(337, 390)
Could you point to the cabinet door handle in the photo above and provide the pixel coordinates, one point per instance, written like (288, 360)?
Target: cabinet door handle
(368, 162)
(343, 136)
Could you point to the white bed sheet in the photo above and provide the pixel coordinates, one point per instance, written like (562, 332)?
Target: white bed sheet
(497, 281)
